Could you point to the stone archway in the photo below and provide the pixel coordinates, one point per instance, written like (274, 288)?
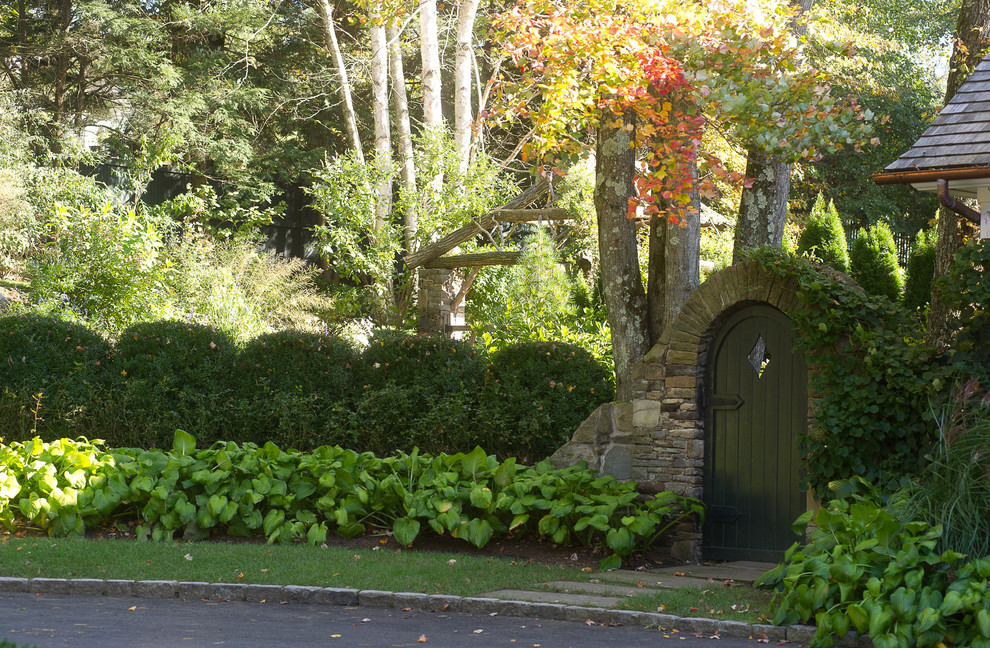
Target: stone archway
(658, 438)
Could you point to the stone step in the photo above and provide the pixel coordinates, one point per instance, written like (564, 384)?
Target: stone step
(739, 572)
(653, 579)
(601, 589)
(587, 600)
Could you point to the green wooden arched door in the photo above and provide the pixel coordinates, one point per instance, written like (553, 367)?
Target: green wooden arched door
(755, 406)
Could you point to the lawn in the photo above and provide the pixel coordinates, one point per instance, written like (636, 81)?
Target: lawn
(372, 564)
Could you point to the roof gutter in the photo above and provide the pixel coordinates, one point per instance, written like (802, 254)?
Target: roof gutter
(951, 203)
(912, 177)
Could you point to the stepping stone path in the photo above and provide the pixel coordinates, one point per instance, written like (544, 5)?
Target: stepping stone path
(611, 587)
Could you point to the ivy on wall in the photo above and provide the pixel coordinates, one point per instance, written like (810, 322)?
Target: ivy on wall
(969, 291)
(873, 379)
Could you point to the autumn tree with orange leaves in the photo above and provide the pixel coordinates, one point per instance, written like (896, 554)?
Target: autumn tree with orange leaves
(641, 81)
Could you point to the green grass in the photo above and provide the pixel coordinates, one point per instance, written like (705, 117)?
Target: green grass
(737, 603)
(382, 569)
(406, 571)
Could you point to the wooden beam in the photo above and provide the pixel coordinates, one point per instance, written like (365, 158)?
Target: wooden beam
(474, 260)
(530, 215)
(486, 222)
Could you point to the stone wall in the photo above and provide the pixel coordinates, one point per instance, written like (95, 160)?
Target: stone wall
(438, 288)
(658, 438)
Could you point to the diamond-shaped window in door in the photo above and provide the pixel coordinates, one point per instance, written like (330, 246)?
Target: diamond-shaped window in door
(759, 357)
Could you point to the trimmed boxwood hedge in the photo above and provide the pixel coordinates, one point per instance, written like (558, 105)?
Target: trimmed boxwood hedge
(536, 394)
(294, 388)
(60, 364)
(170, 375)
(299, 390)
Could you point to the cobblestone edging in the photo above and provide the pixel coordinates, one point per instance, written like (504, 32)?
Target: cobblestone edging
(409, 600)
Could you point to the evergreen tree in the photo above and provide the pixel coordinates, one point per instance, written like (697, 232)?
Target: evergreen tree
(823, 236)
(873, 261)
(920, 271)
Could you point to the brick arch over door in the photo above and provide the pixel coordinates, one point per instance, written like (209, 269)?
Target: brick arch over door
(659, 437)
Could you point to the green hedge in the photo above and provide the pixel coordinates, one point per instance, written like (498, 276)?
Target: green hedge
(295, 389)
(61, 366)
(536, 394)
(170, 375)
(299, 390)
(402, 373)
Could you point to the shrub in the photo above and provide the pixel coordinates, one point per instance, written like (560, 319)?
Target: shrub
(18, 226)
(537, 301)
(920, 271)
(874, 378)
(824, 237)
(535, 396)
(873, 261)
(969, 294)
(418, 391)
(952, 490)
(101, 266)
(235, 287)
(62, 366)
(294, 388)
(170, 375)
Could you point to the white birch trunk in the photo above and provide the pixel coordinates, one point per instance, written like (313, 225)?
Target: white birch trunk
(403, 136)
(430, 53)
(379, 109)
(463, 115)
(325, 10)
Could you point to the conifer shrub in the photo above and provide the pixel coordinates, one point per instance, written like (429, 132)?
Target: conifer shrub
(873, 261)
(824, 237)
(294, 388)
(920, 271)
(170, 375)
(536, 394)
(57, 365)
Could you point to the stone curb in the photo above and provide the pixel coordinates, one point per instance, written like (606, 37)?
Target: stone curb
(411, 601)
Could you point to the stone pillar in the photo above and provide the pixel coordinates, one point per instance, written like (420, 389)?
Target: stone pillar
(438, 288)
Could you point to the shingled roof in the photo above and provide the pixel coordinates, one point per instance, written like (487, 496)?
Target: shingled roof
(956, 145)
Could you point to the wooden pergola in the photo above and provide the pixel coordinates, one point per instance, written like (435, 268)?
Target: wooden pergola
(432, 257)
(952, 157)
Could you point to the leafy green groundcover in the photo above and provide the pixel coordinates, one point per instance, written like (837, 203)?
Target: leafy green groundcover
(68, 486)
(866, 571)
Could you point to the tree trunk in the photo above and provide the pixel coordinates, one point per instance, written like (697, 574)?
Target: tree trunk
(463, 116)
(379, 109)
(622, 286)
(763, 206)
(675, 252)
(430, 53)
(403, 136)
(972, 40)
(325, 10)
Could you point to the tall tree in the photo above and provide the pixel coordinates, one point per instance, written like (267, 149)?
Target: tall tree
(463, 116)
(625, 298)
(429, 44)
(675, 67)
(381, 115)
(972, 39)
(403, 136)
(325, 10)
(763, 204)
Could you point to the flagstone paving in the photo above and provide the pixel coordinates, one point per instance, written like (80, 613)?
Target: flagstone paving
(611, 587)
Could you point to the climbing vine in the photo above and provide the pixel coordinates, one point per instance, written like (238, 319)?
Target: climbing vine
(969, 292)
(874, 381)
